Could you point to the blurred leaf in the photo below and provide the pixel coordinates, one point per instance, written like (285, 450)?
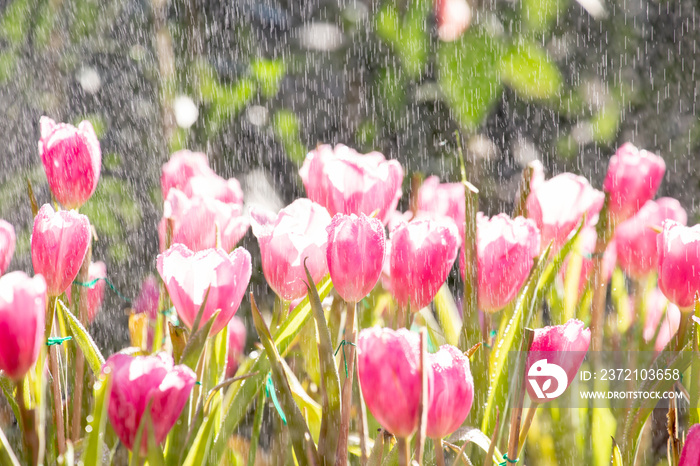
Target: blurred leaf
(553, 268)
(15, 20)
(155, 452)
(240, 396)
(616, 455)
(527, 69)
(95, 440)
(199, 450)
(8, 63)
(539, 15)
(468, 72)
(603, 428)
(472, 435)
(298, 429)
(8, 390)
(375, 456)
(87, 345)
(330, 381)
(7, 456)
(96, 120)
(310, 409)
(527, 302)
(286, 126)
(257, 423)
(408, 36)
(618, 290)
(448, 315)
(195, 344)
(45, 24)
(605, 123)
(269, 75)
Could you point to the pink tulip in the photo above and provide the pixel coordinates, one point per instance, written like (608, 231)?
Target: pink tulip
(558, 204)
(22, 316)
(452, 391)
(442, 200)
(7, 245)
(587, 245)
(422, 254)
(633, 178)
(690, 455)
(679, 256)
(60, 241)
(298, 232)
(72, 160)
(236, 345)
(182, 166)
(347, 182)
(188, 275)
(96, 292)
(505, 250)
(453, 18)
(136, 381)
(195, 222)
(149, 298)
(564, 346)
(214, 187)
(355, 254)
(636, 239)
(388, 367)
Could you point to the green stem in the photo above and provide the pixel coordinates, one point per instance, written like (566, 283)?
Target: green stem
(439, 453)
(403, 446)
(346, 397)
(29, 433)
(257, 423)
(81, 304)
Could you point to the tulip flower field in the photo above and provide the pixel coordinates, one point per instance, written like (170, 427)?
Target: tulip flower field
(438, 335)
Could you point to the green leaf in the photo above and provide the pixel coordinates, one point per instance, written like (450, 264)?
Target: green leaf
(330, 380)
(637, 414)
(199, 450)
(616, 455)
(87, 345)
(7, 456)
(15, 20)
(375, 456)
(195, 345)
(448, 315)
(239, 397)
(298, 429)
(469, 76)
(528, 70)
(509, 342)
(540, 14)
(155, 453)
(95, 438)
(269, 75)
(257, 423)
(8, 390)
(553, 268)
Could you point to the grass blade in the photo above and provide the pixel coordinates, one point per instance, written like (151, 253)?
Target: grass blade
(87, 345)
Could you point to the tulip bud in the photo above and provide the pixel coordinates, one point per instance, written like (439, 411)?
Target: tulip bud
(355, 254)
(679, 256)
(182, 166)
(690, 455)
(136, 381)
(96, 292)
(555, 349)
(558, 204)
(388, 367)
(188, 275)
(633, 178)
(196, 222)
(60, 241)
(442, 200)
(505, 251)
(453, 18)
(636, 239)
(452, 391)
(422, 254)
(7, 245)
(298, 232)
(72, 160)
(236, 345)
(346, 182)
(22, 318)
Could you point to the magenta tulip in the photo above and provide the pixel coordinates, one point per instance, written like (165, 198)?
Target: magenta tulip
(453, 18)
(636, 239)
(679, 256)
(505, 251)
(196, 221)
(557, 206)
(138, 381)
(60, 241)
(96, 291)
(442, 200)
(564, 346)
(182, 166)
(22, 318)
(388, 367)
(188, 275)
(690, 455)
(72, 160)
(346, 182)
(633, 178)
(422, 254)
(148, 299)
(7, 245)
(236, 345)
(298, 232)
(355, 254)
(452, 391)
